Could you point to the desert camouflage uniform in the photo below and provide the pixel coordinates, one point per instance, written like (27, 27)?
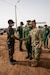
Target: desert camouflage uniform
(36, 39)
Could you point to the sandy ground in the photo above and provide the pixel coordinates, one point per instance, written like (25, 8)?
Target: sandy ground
(23, 66)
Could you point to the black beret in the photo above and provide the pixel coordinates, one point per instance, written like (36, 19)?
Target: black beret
(21, 23)
(45, 25)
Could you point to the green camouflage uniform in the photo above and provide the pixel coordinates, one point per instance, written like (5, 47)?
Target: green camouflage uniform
(45, 33)
(28, 41)
(10, 41)
(20, 31)
(36, 39)
(20, 35)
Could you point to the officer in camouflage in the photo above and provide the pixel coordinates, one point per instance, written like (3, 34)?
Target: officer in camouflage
(11, 41)
(36, 42)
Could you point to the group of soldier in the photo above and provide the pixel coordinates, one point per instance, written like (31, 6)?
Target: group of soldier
(33, 37)
(46, 35)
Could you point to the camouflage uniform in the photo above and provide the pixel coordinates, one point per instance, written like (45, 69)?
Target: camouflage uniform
(36, 39)
(10, 42)
(45, 33)
(28, 41)
(20, 34)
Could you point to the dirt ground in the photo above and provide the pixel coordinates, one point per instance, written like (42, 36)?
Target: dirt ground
(23, 66)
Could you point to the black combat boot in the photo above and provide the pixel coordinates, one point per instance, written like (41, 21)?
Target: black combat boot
(12, 61)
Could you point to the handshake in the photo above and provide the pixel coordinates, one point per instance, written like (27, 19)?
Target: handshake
(21, 39)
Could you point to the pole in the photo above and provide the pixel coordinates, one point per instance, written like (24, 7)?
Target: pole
(16, 16)
(16, 12)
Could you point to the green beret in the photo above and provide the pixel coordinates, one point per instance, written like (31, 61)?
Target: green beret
(28, 20)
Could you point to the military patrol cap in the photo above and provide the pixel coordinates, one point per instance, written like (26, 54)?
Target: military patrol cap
(34, 21)
(10, 21)
(28, 20)
(21, 23)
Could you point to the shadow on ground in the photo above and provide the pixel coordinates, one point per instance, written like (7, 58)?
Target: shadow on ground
(44, 62)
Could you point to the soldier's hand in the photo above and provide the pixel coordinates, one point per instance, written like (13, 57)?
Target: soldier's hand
(39, 46)
(21, 39)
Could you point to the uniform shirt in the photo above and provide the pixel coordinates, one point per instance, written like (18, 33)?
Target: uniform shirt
(10, 35)
(36, 37)
(49, 34)
(26, 32)
(45, 33)
(20, 31)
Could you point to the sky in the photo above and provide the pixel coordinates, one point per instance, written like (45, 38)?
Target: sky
(26, 10)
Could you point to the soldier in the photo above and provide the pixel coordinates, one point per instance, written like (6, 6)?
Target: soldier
(27, 29)
(11, 40)
(20, 34)
(49, 40)
(45, 33)
(36, 43)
